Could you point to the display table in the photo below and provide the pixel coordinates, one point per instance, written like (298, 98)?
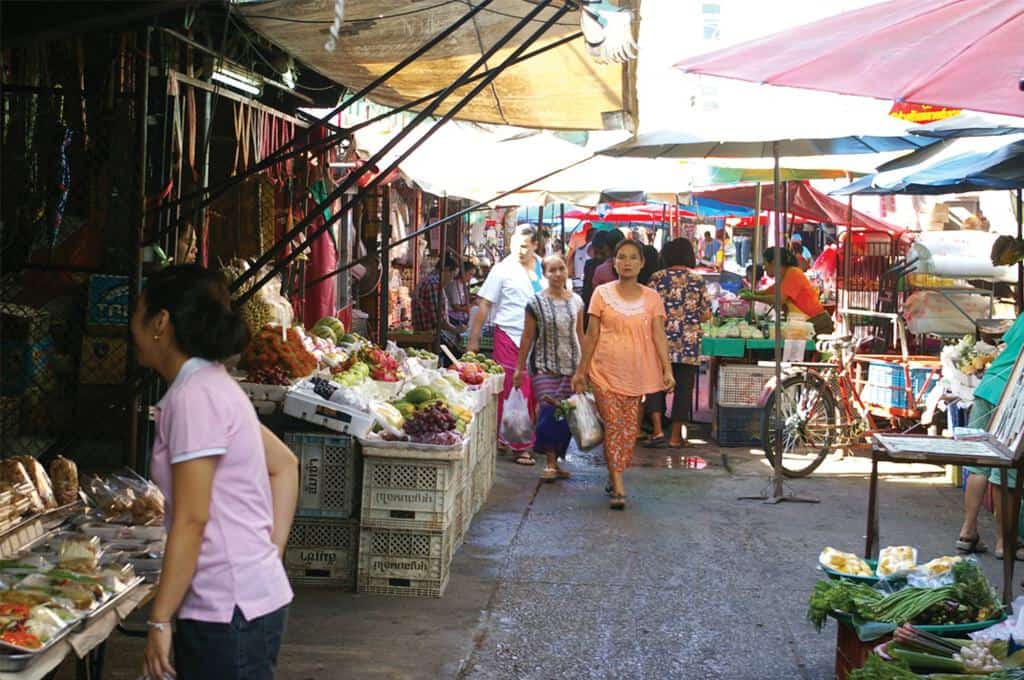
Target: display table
(88, 644)
(737, 347)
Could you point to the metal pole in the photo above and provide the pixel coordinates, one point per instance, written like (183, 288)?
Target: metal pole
(1020, 265)
(353, 177)
(442, 254)
(561, 220)
(135, 410)
(383, 308)
(777, 490)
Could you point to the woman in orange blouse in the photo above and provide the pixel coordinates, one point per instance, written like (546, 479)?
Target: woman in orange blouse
(798, 293)
(625, 356)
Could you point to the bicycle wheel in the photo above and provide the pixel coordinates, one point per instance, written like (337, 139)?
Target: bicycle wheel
(807, 419)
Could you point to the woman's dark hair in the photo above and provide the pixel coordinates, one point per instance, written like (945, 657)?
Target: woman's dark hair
(650, 264)
(625, 243)
(678, 253)
(199, 304)
(787, 257)
(615, 237)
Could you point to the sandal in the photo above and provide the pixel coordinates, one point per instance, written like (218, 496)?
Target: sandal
(1018, 555)
(525, 459)
(966, 546)
(549, 474)
(618, 502)
(656, 442)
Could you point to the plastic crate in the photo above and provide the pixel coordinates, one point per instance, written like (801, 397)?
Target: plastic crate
(737, 425)
(459, 524)
(742, 385)
(328, 483)
(481, 487)
(322, 552)
(887, 385)
(408, 563)
(410, 494)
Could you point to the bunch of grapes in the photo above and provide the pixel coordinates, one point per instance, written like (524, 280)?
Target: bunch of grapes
(438, 438)
(274, 375)
(433, 419)
(323, 387)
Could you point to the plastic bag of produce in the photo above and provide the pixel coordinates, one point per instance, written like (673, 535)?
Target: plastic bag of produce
(585, 421)
(896, 561)
(516, 424)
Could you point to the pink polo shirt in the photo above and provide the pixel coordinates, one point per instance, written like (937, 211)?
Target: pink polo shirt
(205, 413)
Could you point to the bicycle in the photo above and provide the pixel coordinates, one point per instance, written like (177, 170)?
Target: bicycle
(823, 406)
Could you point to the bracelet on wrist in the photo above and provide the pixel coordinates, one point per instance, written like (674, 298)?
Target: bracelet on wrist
(158, 625)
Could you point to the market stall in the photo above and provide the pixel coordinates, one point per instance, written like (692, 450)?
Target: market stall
(74, 562)
(396, 455)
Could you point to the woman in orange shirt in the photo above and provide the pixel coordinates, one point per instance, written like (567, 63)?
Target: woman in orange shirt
(798, 293)
(625, 356)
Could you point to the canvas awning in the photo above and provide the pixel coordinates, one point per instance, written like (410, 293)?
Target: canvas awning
(562, 88)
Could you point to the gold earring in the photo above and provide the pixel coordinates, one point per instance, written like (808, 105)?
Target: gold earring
(156, 338)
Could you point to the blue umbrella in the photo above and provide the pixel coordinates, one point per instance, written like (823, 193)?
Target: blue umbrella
(1000, 168)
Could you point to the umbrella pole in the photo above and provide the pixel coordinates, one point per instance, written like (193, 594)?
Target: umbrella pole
(778, 493)
(1020, 265)
(561, 219)
(757, 249)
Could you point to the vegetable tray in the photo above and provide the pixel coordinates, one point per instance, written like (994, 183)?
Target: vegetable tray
(945, 630)
(14, 659)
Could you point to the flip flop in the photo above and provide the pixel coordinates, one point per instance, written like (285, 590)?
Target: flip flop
(549, 474)
(1018, 555)
(966, 546)
(525, 459)
(617, 502)
(656, 442)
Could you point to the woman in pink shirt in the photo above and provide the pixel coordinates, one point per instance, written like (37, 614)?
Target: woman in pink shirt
(231, 488)
(625, 356)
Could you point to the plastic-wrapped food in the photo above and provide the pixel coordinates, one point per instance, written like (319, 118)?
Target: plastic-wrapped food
(896, 561)
(13, 472)
(126, 498)
(844, 562)
(64, 474)
(40, 480)
(584, 421)
(80, 553)
(113, 502)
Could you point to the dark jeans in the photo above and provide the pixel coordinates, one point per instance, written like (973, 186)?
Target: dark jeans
(682, 400)
(240, 650)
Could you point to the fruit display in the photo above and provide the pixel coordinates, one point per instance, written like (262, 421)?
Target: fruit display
(355, 373)
(421, 354)
(329, 328)
(383, 366)
(731, 328)
(969, 357)
(272, 375)
(267, 306)
(471, 374)
(486, 363)
(269, 348)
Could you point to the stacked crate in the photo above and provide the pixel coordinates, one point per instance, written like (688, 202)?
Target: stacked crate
(413, 517)
(323, 546)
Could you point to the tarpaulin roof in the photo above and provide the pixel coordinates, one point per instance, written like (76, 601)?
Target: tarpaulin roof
(562, 88)
(804, 201)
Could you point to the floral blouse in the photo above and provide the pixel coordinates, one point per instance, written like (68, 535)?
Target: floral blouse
(686, 300)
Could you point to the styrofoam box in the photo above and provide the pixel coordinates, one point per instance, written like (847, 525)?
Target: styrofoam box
(260, 392)
(313, 409)
(417, 495)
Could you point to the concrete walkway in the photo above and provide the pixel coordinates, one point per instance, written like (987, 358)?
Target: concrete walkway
(688, 582)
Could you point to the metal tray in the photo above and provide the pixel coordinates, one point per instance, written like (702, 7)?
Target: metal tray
(14, 659)
(109, 604)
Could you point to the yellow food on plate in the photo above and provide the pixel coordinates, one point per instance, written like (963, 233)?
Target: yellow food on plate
(844, 563)
(940, 565)
(894, 560)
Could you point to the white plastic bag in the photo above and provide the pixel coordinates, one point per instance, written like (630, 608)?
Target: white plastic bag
(516, 425)
(585, 422)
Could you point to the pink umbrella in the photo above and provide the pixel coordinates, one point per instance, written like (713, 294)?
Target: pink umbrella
(634, 213)
(965, 54)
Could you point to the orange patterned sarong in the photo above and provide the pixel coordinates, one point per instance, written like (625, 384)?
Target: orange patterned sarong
(621, 426)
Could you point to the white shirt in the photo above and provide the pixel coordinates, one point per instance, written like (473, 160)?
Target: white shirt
(579, 263)
(508, 289)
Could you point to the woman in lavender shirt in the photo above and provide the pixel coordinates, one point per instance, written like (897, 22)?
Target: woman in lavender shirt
(231, 489)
